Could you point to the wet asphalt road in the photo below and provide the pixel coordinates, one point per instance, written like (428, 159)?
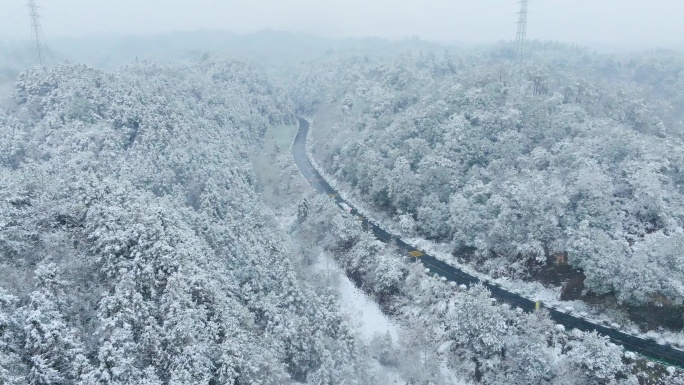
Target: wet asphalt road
(647, 348)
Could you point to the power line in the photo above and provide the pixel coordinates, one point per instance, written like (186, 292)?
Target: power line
(520, 37)
(36, 30)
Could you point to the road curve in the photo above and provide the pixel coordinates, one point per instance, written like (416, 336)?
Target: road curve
(647, 348)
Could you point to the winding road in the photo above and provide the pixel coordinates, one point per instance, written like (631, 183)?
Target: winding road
(647, 348)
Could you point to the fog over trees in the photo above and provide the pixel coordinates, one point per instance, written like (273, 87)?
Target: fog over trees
(154, 228)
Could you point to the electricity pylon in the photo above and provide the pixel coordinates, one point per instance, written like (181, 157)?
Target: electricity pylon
(520, 37)
(36, 30)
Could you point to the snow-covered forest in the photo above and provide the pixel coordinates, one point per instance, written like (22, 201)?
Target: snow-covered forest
(582, 159)
(460, 328)
(134, 249)
(154, 228)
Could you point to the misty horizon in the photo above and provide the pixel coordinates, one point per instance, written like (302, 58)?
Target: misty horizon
(627, 24)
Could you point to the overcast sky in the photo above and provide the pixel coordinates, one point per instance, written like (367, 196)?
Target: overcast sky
(639, 22)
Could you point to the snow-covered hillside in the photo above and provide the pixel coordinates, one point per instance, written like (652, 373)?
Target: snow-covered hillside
(133, 247)
(569, 164)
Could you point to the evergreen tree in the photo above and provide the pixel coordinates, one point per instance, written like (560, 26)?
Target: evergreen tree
(54, 354)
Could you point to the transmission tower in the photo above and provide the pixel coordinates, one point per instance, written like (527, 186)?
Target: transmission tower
(36, 30)
(520, 38)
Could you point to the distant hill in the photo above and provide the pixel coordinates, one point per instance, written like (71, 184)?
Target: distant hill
(265, 48)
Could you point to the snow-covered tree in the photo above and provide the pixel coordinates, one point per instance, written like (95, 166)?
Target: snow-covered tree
(53, 351)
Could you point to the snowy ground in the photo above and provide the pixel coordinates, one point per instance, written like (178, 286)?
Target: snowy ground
(363, 312)
(369, 320)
